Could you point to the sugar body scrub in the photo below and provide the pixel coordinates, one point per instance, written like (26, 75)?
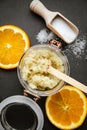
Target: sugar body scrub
(32, 69)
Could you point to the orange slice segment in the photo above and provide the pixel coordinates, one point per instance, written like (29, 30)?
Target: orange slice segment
(13, 43)
(67, 108)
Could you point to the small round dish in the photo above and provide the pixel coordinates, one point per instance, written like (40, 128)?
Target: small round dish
(60, 84)
(20, 112)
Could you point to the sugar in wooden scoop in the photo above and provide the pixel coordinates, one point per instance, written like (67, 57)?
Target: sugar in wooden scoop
(56, 22)
(64, 29)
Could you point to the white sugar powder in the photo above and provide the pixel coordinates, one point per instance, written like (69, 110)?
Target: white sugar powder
(77, 49)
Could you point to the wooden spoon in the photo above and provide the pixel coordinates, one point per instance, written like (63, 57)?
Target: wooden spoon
(67, 78)
(56, 22)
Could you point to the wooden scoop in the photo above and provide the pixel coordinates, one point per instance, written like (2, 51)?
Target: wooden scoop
(56, 22)
(66, 78)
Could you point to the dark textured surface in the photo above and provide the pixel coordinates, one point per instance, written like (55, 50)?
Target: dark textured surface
(17, 12)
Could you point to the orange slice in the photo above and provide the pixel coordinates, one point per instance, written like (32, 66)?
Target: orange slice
(13, 43)
(67, 108)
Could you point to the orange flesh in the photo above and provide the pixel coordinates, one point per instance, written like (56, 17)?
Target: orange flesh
(9, 45)
(65, 111)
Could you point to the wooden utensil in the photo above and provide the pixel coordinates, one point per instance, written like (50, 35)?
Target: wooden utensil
(56, 22)
(67, 78)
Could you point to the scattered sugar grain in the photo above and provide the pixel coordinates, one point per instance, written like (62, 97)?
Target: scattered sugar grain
(76, 49)
(44, 35)
(50, 36)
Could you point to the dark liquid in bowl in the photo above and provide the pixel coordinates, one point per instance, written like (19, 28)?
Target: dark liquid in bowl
(21, 117)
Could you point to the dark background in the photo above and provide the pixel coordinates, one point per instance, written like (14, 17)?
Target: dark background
(17, 12)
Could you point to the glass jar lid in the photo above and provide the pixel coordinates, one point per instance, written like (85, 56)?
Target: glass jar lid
(20, 113)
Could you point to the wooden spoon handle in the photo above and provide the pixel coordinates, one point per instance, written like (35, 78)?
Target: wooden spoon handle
(37, 7)
(67, 79)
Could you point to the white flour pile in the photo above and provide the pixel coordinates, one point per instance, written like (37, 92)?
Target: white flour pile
(77, 48)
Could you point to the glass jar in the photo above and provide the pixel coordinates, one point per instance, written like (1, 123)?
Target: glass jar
(20, 113)
(60, 84)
